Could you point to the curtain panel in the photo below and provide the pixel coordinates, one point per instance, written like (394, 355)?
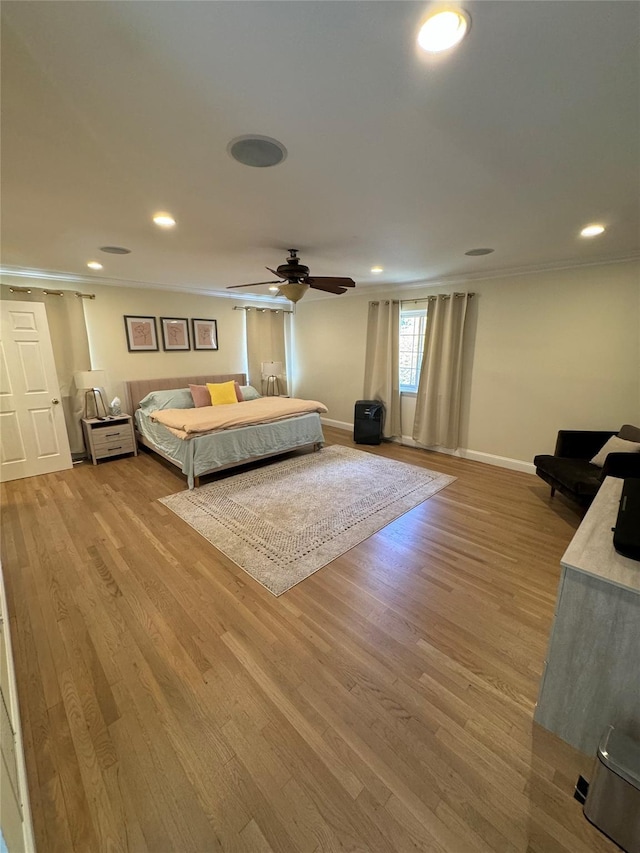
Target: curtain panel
(381, 369)
(265, 342)
(437, 417)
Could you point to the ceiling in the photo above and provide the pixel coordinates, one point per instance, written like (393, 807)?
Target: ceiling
(516, 139)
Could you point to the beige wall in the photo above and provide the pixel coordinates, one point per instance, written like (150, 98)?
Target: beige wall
(108, 344)
(546, 351)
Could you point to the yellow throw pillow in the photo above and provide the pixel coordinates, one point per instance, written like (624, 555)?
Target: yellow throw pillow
(222, 393)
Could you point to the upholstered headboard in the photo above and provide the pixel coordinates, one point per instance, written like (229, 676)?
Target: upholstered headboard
(139, 388)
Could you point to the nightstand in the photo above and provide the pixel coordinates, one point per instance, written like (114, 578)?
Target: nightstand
(109, 437)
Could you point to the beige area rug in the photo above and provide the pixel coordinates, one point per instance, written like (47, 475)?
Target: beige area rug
(283, 522)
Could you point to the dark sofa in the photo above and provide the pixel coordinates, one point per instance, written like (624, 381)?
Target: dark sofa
(569, 470)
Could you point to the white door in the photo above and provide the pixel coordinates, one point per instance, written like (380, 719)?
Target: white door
(33, 435)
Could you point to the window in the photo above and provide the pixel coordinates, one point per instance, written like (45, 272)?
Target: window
(413, 323)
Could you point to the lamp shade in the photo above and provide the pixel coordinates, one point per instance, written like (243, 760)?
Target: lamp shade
(85, 379)
(293, 292)
(271, 368)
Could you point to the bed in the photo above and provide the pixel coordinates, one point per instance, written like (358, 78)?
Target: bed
(199, 454)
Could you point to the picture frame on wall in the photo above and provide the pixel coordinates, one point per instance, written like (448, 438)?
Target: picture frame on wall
(175, 334)
(142, 335)
(205, 334)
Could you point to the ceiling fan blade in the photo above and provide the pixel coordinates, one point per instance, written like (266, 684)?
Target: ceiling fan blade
(275, 272)
(328, 287)
(254, 284)
(339, 281)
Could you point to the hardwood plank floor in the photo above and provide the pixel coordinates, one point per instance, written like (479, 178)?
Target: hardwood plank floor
(170, 703)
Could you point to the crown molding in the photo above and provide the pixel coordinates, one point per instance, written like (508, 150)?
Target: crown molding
(363, 287)
(88, 280)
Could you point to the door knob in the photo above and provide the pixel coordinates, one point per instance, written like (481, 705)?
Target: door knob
(55, 401)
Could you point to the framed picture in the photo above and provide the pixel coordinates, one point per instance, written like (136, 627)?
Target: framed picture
(175, 333)
(141, 333)
(205, 334)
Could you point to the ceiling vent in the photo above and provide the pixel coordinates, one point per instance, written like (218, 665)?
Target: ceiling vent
(260, 151)
(115, 250)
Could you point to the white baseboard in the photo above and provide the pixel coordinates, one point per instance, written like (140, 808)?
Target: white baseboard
(500, 461)
(337, 424)
(477, 456)
(462, 452)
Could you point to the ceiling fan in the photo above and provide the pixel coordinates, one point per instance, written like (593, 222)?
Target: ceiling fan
(294, 280)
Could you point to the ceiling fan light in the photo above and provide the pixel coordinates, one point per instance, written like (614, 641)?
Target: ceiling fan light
(293, 292)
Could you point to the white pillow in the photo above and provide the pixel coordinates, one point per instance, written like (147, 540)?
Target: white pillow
(615, 445)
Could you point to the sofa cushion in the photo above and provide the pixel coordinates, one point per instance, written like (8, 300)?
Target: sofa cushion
(629, 433)
(577, 475)
(614, 445)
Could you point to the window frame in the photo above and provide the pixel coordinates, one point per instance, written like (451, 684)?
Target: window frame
(416, 350)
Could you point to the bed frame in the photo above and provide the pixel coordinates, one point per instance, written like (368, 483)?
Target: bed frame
(139, 388)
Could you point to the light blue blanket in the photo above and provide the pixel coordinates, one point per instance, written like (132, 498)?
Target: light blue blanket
(204, 453)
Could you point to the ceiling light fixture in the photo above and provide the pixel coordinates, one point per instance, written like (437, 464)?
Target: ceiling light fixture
(592, 230)
(254, 150)
(377, 270)
(164, 219)
(443, 30)
(94, 265)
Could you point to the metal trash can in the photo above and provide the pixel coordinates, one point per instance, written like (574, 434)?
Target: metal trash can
(612, 801)
(368, 418)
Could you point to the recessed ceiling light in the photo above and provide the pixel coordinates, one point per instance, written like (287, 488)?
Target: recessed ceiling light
(94, 265)
(377, 269)
(475, 252)
(592, 230)
(254, 150)
(164, 219)
(115, 250)
(443, 30)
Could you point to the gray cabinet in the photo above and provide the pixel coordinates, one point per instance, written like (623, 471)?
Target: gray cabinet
(15, 816)
(592, 672)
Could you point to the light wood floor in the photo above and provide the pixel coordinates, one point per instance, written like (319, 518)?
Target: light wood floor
(170, 703)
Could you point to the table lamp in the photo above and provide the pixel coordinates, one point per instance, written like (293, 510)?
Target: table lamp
(271, 371)
(92, 382)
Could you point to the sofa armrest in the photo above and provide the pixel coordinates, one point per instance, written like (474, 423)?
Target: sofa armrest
(581, 444)
(621, 465)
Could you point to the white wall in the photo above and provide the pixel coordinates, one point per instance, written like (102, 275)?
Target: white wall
(546, 351)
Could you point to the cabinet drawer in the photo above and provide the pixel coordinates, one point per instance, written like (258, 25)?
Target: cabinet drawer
(114, 448)
(110, 435)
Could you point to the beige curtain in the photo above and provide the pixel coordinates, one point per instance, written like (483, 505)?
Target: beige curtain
(381, 368)
(437, 418)
(265, 342)
(70, 343)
